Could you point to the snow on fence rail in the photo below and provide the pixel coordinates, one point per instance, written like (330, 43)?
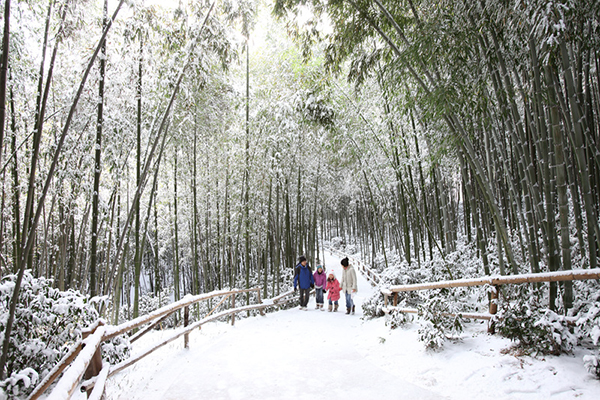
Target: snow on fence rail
(368, 273)
(571, 275)
(84, 359)
(493, 281)
(486, 316)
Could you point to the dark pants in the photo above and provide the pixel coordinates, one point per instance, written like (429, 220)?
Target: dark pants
(319, 295)
(304, 294)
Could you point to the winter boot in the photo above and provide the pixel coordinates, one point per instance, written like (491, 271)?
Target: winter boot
(353, 309)
(322, 309)
(317, 307)
(348, 310)
(330, 308)
(336, 307)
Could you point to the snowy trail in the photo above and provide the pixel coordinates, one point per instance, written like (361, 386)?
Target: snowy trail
(290, 354)
(296, 354)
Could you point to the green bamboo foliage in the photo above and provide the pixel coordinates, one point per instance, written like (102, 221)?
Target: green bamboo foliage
(448, 124)
(508, 97)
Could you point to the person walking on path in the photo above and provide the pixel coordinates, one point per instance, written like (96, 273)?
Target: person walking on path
(348, 284)
(333, 288)
(320, 281)
(305, 280)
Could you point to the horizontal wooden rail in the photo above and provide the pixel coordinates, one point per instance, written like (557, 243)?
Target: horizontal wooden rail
(78, 360)
(57, 370)
(273, 302)
(64, 362)
(276, 301)
(113, 331)
(485, 316)
(66, 386)
(100, 382)
(126, 363)
(493, 281)
(572, 275)
(147, 329)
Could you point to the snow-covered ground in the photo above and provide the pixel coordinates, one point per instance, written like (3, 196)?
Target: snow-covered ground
(311, 354)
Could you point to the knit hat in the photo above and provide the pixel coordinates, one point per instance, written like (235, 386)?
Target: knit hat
(331, 273)
(320, 266)
(345, 262)
(302, 258)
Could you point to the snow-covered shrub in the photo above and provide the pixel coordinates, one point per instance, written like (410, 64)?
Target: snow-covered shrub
(47, 323)
(351, 249)
(592, 364)
(338, 243)
(373, 306)
(557, 331)
(116, 349)
(396, 319)
(588, 322)
(398, 274)
(19, 384)
(431, 336)
(437, 323)
(536, 328)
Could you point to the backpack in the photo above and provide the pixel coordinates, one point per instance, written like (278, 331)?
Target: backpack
(297, 269)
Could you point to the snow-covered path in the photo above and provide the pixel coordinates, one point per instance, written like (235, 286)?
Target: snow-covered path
(290, 354)
(298, 354)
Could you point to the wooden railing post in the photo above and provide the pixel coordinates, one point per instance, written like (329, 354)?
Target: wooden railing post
(91, 357)
(494, 300)
(232, 306)
(262, 310)
(95, 365)
(493, 308)
(186, 321)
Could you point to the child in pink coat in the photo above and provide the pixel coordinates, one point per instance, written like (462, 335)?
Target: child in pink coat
(320, 283)
(333, 290)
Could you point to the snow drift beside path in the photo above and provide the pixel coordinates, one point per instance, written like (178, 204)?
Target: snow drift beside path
(307, 354)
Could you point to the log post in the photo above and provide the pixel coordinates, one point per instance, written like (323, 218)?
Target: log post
(262, 310)
(233, 306)
(395, 299)
(95, 365)
(493, 308)
(186, 321)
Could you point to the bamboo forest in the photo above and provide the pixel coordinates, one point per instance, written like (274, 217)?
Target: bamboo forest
(152, 150)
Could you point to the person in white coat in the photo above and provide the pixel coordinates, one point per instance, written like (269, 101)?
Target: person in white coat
(348, 284)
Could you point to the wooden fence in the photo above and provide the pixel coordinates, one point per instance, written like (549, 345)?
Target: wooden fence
(84, 359)
(372, 276)
(494, 281)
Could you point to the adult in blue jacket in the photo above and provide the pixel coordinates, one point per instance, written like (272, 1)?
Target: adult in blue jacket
(303, 278)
